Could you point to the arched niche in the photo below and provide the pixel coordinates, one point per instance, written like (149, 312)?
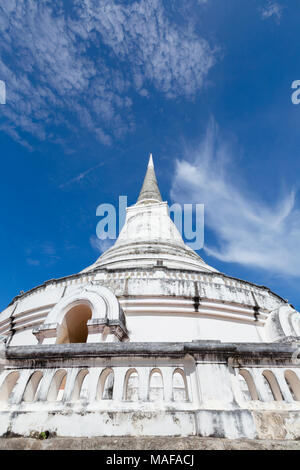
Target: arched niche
(179, 385)
(248, 385)
(80, 387)
(57, 386)
(156, 385)
(105, 385)
(8, 385)
(282, 322)
(271, 381)
(73, 328)
(293, 383)
(88, 314)
(31, 389)
(131, 385)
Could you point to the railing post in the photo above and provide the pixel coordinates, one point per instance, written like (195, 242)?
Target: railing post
(167, 373)
(94, 374)
(260, 384)
(285, 391)
(46, 381)
(19, 389)
(143, 374)
(119, 379)
(70, 383)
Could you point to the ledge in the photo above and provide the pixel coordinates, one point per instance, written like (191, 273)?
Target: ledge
(42, 352)
(141, 269)
(145, 443)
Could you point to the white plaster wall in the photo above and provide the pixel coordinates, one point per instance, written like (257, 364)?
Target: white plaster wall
(164, 328)
(23, 337)
(227, 331)
(161, 328)
(46, 296)
(159, 306)
(6, 313)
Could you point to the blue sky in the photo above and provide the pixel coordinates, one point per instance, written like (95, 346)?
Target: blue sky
(94, 86)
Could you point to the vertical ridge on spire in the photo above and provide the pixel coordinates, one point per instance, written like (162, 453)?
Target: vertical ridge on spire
(150, 190)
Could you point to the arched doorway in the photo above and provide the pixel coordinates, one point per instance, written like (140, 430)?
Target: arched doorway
(74, 325)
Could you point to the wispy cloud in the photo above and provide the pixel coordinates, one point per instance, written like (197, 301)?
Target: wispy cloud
(100, 245)
(32, 262)
(272, 9)
(173, 59)
(80, 177)
(77, 66)
(42, 254)
(249, 231)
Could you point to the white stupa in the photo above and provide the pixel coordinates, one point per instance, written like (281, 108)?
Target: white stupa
(150, 330)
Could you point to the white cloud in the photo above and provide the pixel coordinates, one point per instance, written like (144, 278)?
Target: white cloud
(77, 67)
(173, 59)
(100, 245)
(249, 231)
(271, 9)
(50, 77)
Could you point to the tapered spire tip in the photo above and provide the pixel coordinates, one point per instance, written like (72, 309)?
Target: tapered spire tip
(150, 190)
(150, 163)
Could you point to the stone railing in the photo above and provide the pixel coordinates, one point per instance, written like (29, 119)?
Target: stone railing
(197, 388)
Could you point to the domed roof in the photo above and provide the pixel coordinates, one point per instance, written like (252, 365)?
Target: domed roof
(149, 237)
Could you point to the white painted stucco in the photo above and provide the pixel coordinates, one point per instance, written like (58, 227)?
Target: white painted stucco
(150, 293)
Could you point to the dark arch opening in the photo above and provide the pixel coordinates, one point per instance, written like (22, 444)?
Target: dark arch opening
(74, 326)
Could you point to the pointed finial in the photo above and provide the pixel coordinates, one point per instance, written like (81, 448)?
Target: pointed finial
(150, 190)
(150, 161)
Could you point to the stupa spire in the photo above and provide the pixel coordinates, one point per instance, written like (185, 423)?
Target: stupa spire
(150, 190)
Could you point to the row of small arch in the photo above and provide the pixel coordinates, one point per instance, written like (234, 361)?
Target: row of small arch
(104, 389)
(273, 388)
